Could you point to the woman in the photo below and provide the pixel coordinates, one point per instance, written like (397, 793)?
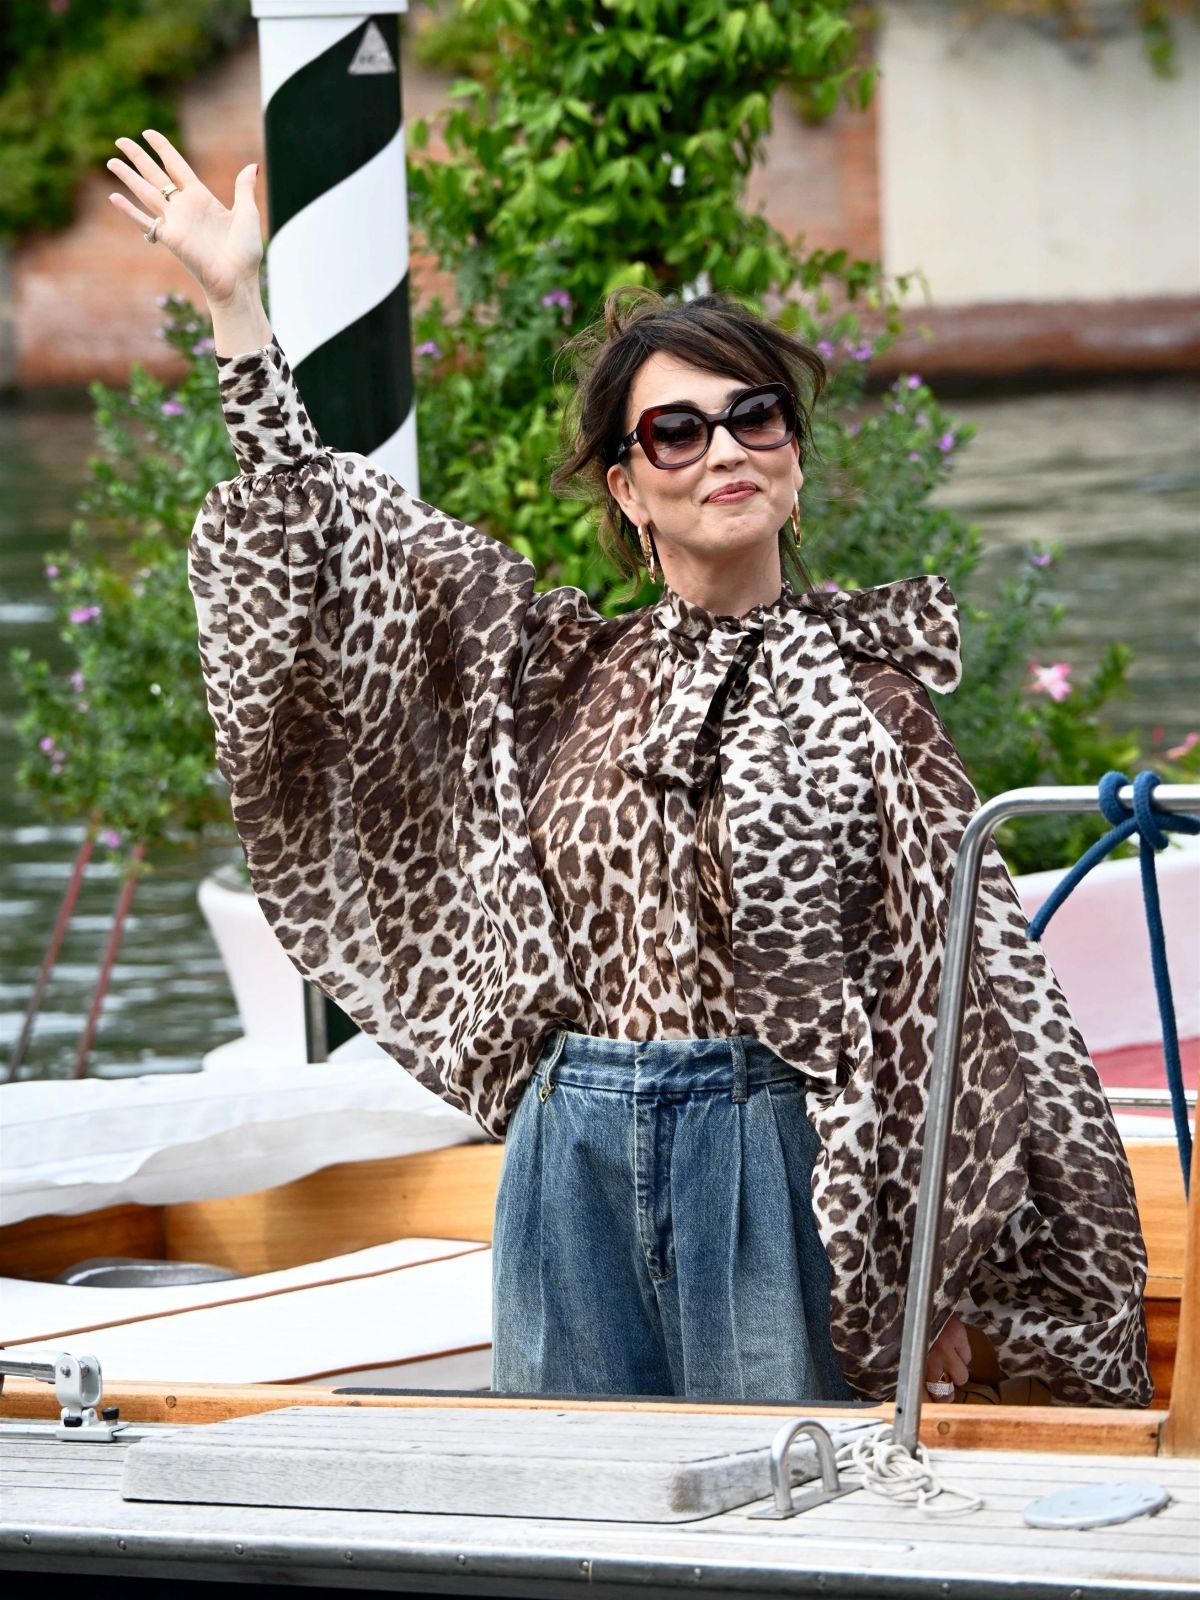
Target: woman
(659, 897)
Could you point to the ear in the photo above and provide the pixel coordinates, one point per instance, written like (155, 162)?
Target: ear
(797, 470)
(625, 495)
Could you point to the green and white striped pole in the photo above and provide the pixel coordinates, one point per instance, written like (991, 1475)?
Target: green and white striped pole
(337, 218)
(337, 251)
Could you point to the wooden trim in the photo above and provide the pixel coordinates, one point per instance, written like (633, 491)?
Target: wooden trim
(42, 1247)
(1161, 1203)
(437, 1194)
(1072, 1429)
(1181, 1434)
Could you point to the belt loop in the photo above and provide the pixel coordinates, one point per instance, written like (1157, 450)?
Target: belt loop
(740, 1081)
(558, 1044)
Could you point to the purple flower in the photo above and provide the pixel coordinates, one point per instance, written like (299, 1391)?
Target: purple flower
(914, 455)
(853, 428)
(56, 766)
(160, 300)
(946, 442)
(863, 352)
(914, 380)
(83, 614)
(830, 587)
(429, 348)
(160, 333)
(110, 837)
(76, 681)
(204, 347)
(171, 408)
(1041, 560)
(46, 744)
(922, 419)
(557, 297)
(825, 350)
(52, 571)
(1178, 751)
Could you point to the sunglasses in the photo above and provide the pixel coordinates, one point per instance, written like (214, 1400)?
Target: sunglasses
(762, 418)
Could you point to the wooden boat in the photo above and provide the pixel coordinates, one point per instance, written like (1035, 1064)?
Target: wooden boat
(457, 1491)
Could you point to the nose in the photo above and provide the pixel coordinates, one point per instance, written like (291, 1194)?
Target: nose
(724, 447)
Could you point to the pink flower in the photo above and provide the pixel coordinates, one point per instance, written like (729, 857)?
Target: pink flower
(204, 347)
(914, 380)
(1178, 751)
(1052, 680)
(76, 681)
(52, 571)
(1040, 560)
(171, 408)
(830, 587)
(46, 744)
(557, 297)
(914, 455)
(946, 442)
(110, 837)
(429, 348)
(83, 614)
(825, 349)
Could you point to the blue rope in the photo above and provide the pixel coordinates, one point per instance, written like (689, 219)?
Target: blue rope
(1152, 827)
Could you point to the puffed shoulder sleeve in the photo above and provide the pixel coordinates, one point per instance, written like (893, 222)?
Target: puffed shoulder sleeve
(359, 648)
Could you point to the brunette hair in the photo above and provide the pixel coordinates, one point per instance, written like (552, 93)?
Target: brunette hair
(712, 331)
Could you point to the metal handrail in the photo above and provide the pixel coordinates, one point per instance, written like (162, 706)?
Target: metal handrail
(947, 1044)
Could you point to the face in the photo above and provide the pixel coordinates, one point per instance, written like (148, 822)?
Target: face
(694, 532)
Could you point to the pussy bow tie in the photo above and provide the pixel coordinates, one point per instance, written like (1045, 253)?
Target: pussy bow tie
(766, 700)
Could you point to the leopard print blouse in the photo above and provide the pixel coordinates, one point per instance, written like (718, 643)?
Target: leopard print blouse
(473, 811)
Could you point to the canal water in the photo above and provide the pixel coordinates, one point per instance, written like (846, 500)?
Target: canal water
(1111, 473)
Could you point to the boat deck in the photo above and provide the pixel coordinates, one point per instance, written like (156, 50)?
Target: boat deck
(63, 1511)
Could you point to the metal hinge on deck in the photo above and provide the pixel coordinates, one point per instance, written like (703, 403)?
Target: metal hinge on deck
(78, 1386)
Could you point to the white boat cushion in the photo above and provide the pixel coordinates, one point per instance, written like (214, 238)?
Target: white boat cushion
(390, 1307)
(168, 1137)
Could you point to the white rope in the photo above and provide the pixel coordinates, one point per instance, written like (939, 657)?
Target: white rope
(886, 1468)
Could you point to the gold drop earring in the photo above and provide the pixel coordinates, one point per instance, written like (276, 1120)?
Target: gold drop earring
(647, 551)
(796, 520)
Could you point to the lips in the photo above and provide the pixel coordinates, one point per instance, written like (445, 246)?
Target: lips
(734, 491)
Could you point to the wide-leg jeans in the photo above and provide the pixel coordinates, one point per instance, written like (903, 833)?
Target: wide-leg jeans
(654, 1227)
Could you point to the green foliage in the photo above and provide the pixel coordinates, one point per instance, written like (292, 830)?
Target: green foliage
(124, 738)
(613, 147)
(74, 76)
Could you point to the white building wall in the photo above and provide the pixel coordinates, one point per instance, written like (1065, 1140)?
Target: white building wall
(1010, 171)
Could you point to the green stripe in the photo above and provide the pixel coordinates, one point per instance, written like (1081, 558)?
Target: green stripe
(322, 125)
(358, 385)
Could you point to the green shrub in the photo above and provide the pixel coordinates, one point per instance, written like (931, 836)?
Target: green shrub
(77, 75)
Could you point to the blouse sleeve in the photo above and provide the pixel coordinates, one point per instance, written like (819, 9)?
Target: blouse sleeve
(1042, 1243)
(358, 649)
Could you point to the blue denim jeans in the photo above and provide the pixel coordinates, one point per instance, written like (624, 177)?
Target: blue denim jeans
(654, 1228)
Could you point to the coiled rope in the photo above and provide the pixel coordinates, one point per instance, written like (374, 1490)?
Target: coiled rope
(886, 1469)
(1152, 827)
